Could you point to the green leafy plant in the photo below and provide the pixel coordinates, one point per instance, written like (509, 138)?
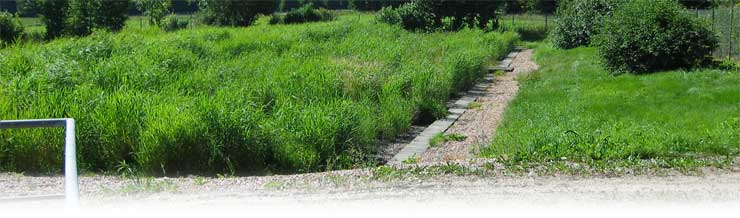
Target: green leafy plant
(412, 160)
(233, 12)
(649, 36)
(578, 20)
(10, 28)
(441, 138)
(306, 13)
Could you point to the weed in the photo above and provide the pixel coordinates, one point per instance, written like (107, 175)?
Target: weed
(199, 180)
(441, 138)
(474, 105)
(412, 160)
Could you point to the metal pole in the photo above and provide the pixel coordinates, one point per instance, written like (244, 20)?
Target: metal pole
(71, 189)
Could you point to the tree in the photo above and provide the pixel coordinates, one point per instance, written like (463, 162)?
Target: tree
(472, 13)
(54, 16)
(111, 15)
(80, 18)
(156, 10)
(233, 12)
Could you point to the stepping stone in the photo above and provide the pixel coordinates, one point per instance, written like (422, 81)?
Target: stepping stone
(497, 68)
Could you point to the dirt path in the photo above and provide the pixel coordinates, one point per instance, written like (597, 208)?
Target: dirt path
(479, 124)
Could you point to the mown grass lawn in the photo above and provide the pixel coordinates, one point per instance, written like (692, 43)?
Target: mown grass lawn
(572, 109)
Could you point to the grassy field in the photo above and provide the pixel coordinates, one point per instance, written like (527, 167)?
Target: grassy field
(573, 110)
(286, 98)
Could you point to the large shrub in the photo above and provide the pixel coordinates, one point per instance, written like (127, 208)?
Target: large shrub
(577, 21)
(233, 12)
(647, 36)
(306, 13)
(10, 28)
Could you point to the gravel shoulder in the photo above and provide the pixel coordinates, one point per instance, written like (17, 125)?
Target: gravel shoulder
(358, 187)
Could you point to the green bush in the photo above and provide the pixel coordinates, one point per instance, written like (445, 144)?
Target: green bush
(10, 28)
(306, 13)
(172, 23)
(441, 14)
(577, 21)
(410, 16)
(388, 15)
(647, 36)
(232, 12)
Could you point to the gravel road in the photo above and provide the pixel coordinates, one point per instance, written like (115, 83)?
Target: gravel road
(358, 188)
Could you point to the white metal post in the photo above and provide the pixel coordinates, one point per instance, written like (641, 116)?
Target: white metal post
(71, 190)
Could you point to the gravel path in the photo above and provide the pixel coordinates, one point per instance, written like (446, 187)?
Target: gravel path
(479, 124)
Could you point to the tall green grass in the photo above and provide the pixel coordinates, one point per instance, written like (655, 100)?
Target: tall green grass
(573, 109)
(285, 98)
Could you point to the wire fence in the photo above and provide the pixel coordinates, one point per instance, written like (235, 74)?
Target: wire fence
(725, 22)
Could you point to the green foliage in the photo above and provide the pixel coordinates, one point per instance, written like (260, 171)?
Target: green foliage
(573, 109)
(306, 13)
(10, 28)
(29, 8)
(80, 17)
(578, 20)
(292, 98)
(648, 36)
(410, 16)
(172, 23)
(111, 15)
(156, 10)
(440, 138)
(54, 15)
(441, 14)
(233, 12)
